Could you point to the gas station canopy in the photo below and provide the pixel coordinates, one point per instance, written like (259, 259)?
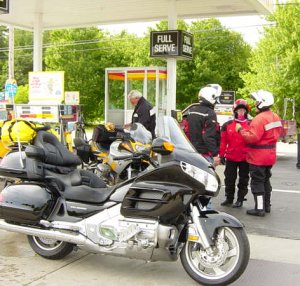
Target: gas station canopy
(78, 13)
(40, 15)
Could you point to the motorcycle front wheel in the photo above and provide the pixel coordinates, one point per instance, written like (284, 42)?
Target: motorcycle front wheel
(224, 263)
(50, 248)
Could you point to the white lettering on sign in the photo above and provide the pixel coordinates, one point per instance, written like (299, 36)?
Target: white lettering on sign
(164, 39)
(164, 48)
(187, 49)
(187, 40)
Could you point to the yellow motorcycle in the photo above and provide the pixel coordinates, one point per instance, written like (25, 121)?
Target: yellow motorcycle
(109, 153)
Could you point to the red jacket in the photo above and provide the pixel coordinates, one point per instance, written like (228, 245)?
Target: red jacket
(261, 138)
(233, 146)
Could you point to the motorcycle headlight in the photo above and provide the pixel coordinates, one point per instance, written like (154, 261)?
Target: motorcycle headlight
(208, 180)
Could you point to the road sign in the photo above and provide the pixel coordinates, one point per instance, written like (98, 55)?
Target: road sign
(11, 87)
(172, 43)
(4, 6)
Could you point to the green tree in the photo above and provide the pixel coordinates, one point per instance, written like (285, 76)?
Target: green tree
(3, 56)
(22, 94)
(23, 55)
(275, 63)
(219, 56)
(77, 52)
(84, 54)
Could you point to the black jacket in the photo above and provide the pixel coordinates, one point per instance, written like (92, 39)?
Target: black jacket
(204, 129)
(144, 113)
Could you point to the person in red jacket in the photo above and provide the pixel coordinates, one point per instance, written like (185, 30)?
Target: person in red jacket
(233, 149)
(261, 140)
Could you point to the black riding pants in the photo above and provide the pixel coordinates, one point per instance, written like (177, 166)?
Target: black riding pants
(233, 169)
(260, 179)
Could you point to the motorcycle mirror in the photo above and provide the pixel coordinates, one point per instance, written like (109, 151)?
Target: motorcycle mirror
(161, 146)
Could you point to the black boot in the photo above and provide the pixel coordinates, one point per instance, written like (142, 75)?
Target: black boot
(238, 204)
(227, 202)
(268, 202)
(259, 209)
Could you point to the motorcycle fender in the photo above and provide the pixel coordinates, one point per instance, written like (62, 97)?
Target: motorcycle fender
(210, 222)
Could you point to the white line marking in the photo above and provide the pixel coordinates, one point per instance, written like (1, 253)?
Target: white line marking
(286, 191)
(278, 190)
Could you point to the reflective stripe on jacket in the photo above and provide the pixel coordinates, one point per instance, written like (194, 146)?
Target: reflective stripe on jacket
(233, 146)
(261, 138)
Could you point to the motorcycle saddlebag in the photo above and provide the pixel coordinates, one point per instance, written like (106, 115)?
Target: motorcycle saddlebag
(25, 203)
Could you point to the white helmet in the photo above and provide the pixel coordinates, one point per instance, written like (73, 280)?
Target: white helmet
(209, 93)
(217, 87)
(264, 99)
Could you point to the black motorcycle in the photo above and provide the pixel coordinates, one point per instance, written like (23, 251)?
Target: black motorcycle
(157, 216)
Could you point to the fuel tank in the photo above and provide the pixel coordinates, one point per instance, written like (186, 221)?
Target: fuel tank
(25, 203)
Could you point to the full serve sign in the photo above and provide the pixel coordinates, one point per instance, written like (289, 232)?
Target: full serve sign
(173, 43)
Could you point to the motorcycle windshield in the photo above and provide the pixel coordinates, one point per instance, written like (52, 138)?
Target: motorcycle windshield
(139, 133)
(168, 127)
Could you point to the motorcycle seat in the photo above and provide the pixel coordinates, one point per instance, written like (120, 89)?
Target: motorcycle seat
(87, 194)
(55, 153)
(80, 185)
(59, 166)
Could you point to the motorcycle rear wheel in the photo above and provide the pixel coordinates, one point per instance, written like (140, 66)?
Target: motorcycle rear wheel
(50, 248)
(226, 264)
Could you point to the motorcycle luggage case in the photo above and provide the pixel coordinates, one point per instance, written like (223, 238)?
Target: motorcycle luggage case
(25, 203)
(23, 167)
(11, 166)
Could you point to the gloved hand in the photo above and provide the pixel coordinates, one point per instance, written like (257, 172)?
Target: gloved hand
(238, 127)
(216, 161)
(110, 127)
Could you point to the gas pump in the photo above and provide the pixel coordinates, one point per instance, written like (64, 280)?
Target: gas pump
(62, 116)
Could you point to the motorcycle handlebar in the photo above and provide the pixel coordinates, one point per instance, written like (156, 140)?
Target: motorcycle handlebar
(133, 156)
(121, 136)
(123, 158)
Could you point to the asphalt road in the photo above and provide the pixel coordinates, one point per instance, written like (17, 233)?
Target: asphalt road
(274, 241)
(284, 218)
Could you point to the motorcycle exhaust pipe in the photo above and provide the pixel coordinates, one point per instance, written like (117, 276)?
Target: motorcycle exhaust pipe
(74, 238)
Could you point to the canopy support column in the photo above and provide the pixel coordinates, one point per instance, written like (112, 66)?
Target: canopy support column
(38, 43)
(171, 62)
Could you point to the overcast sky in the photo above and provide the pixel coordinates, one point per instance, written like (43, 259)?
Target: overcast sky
(248, 26)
